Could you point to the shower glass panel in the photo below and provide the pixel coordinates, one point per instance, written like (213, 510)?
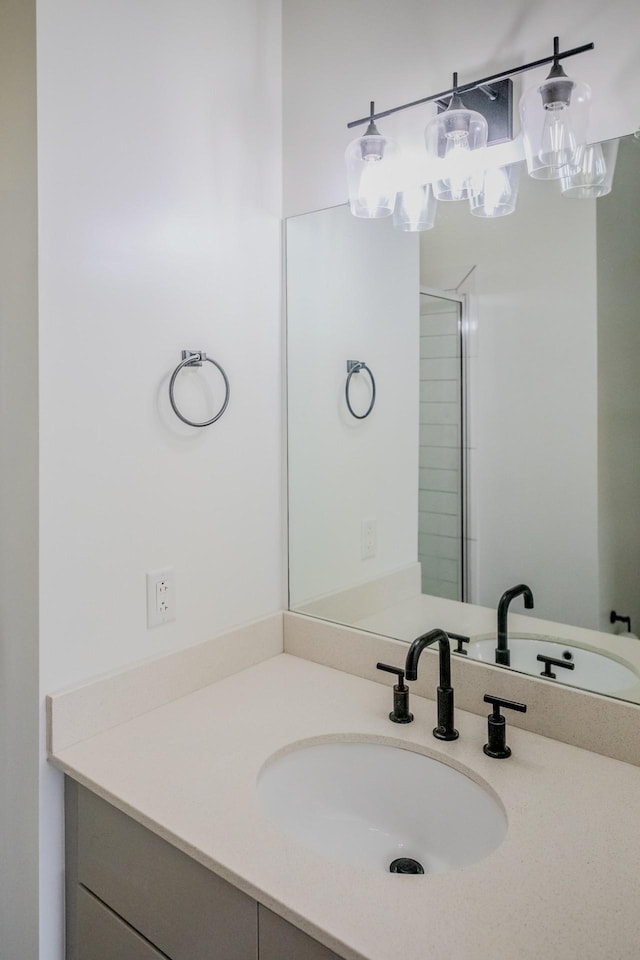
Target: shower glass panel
(441, 510)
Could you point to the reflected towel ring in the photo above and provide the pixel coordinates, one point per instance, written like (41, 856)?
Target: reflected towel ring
(355, 366)
(196, 359)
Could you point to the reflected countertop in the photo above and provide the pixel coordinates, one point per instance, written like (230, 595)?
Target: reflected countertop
(405, 619)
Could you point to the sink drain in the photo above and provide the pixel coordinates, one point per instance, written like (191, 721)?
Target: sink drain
(405, 865)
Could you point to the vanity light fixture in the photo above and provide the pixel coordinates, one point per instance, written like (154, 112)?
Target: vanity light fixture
(454, 137)
(370, 171)
(495, 191)
(554, 116)
(596, 163)
(415, 209)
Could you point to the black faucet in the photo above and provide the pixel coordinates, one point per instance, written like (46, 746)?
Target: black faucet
(503, 655)
(445, 729)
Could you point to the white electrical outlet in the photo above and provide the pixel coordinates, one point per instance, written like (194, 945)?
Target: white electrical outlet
(161, 597)
(368, 539)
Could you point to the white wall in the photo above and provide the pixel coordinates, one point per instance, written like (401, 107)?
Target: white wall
(339, 56)
(18, 485)
(338, 478)
(159, 186)
(533, 394)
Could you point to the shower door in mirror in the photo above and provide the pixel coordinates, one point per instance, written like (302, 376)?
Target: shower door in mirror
(442, 511)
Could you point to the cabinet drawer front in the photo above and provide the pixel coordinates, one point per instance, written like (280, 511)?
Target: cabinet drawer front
(185, 910)
(103, 936)
(279, 940)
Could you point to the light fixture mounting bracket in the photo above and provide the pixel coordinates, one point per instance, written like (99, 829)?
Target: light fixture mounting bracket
(495, 103)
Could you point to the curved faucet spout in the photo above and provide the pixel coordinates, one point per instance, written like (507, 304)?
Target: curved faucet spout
(445, 729)
(503, 654)
(419, 644)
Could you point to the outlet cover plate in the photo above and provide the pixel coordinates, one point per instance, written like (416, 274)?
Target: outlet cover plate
(161, 596)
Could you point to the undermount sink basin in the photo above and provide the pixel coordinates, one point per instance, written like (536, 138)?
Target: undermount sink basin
(592, 670)
(372, 804)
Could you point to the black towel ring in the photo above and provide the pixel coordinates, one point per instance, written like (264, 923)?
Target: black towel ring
(196, 359)
(355, 366)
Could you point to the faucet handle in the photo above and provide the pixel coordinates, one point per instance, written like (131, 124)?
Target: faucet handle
(400, 712)
(460, 638)
(497, 726)
(552, 662)
(389, 668)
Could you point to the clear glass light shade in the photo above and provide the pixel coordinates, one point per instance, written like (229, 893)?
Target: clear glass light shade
(495, 191)
(453, 137)
(594, 177)
(415, 209)
(554, 116)
(371, 173)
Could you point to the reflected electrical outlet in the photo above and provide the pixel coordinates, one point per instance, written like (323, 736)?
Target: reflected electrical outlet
(368, 539)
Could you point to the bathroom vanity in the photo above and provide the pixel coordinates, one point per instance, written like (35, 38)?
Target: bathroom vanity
(132, 895)
(171, 852)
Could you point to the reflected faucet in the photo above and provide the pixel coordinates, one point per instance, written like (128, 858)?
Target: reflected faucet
(503, 654)
(445, 729)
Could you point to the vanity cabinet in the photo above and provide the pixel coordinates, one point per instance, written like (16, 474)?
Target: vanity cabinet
(133, 896)
(280, 940)
(103, 935)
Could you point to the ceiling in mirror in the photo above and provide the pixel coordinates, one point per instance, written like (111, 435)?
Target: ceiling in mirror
(502, 447)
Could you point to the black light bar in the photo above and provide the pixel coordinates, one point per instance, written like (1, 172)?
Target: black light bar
(555, 57)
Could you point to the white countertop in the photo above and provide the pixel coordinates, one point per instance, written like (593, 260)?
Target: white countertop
(563, 885)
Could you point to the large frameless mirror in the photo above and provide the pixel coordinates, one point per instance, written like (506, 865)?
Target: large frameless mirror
(487, 434)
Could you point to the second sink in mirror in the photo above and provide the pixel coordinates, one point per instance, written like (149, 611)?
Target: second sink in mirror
(592, 670)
